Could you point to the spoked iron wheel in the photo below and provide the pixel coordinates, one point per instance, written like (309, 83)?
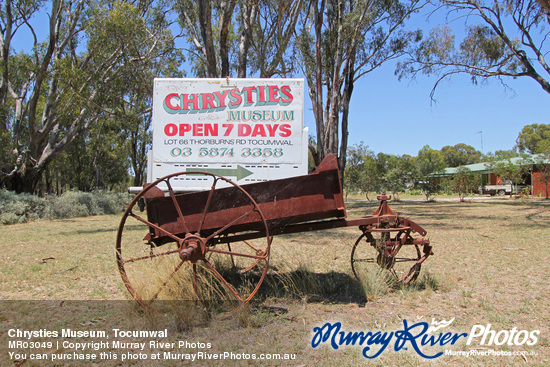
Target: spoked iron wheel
(210, 246)
(388, 250)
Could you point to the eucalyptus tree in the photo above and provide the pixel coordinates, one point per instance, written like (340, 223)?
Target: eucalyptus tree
(499, 155)
(460, 155)
(428, 162)
(367, 172)
(89, 60)
(534, 139)
(354, 175)
(339, 42)
(465, 182)
(361, 174)
(95, 160)
(401, 174)
(502, 39)
(273, 34)
(239, 38)
(196, 20)
(138, 142)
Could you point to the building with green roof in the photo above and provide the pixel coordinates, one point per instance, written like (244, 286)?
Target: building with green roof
(537, 176)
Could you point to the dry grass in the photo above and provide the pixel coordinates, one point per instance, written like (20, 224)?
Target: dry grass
(491, 265)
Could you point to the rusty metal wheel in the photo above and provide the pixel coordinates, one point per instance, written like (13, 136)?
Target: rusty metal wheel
(211, 245)
(387, 251)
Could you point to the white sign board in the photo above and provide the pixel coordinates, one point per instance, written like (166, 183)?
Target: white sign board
(247, 130)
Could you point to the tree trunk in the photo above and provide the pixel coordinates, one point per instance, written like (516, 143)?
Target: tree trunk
(25, 180)
(248, 14)
(205, 20)
(317, 91)
(225, 20)
(348, 90)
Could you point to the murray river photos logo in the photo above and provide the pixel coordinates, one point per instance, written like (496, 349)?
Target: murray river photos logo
(418, 336)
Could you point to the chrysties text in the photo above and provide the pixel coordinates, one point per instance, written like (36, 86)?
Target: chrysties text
(263, 95)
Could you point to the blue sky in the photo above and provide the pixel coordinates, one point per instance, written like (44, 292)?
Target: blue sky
(397, 117)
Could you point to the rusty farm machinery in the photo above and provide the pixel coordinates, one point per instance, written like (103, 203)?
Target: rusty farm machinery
(166, 235)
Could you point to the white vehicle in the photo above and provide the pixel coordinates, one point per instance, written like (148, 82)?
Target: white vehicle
(505, 188)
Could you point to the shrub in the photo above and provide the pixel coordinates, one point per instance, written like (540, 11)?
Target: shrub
(112, 202)
(70, 204)
(11, 218)
(20, 208)
(414, 191)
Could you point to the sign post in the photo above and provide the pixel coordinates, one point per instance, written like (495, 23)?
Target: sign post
(247, 130)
